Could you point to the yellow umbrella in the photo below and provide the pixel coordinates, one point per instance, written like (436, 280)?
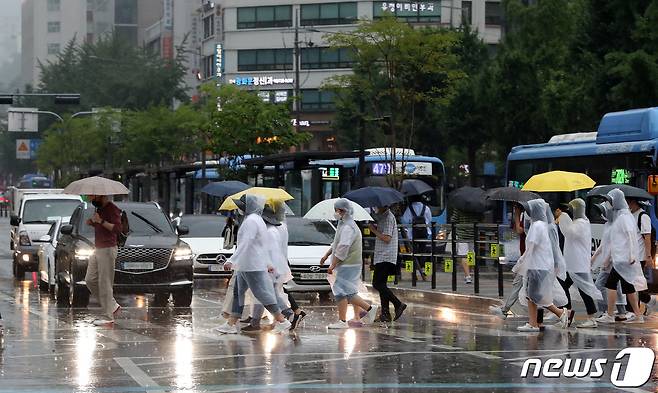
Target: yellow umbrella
(559, 181)
(271, 195)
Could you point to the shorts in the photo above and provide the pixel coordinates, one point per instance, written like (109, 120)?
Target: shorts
(614, 278)
(349, 297)
(464, 248)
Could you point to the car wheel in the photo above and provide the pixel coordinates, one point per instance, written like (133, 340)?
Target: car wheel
(61, 292)
(161, 299)
(19, 272)
(183, 297)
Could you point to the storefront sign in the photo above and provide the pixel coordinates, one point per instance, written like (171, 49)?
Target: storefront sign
(411, 7)
(219, 62)
(302, 123)
(260, 81)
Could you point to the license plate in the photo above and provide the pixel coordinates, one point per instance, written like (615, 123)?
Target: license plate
(314, 276)
(215, 268)
(138, 265)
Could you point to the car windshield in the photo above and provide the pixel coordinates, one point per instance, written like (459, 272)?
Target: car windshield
(144, 221)
(303, 232)
(44, 211)
(203, 226)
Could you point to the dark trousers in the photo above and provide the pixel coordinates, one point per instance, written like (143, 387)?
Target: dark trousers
(379, 282)
(643, 296)
(293, 304)
(589, 302)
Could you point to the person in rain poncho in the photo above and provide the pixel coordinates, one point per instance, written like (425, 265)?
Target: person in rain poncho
(346, 264)
(577, 254)
(537, 266)
(599, 259)
(625, 260)
(250, 264)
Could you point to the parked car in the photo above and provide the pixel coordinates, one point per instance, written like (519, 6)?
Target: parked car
(153, 259)
(205, 239)
(46, 269)
(32, 221)
(308, 241)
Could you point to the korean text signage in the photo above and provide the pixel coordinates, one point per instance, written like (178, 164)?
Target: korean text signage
(411, 7)
(408, 168)
(260, 81)
(219, 62)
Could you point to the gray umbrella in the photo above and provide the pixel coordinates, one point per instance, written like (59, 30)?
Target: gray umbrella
(469, 199)
(629, 191)
(412, 187)
(96, 185)
(511, 194)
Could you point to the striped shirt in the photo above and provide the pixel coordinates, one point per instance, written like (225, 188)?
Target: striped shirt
(386, 252)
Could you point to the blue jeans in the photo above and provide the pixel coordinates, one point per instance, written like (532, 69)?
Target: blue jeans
(261, 287)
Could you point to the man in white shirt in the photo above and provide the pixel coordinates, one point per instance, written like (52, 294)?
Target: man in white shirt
(417, 209)
(644, 244)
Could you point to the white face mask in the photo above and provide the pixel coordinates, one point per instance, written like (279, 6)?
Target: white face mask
(337, 216)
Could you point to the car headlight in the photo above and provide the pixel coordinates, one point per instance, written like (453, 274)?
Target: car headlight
(24, 239)
(84, 254)
(183, 252)
(26, 258)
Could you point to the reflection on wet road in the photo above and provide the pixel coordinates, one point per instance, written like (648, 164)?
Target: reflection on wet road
(164, 349)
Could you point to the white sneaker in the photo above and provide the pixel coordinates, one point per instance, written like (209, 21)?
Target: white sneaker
(564, 318)
(498, 311)
(103, 322)
(652, 306)
(339, 325)
(632, 318)
(549, 317)
(605, 318)
(527, 328)
(370, 317)
(468, 280)
(227, 328)
(282, 327)
(590, 323)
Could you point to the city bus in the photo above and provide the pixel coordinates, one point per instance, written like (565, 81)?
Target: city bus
(314, 176)
(623, 150)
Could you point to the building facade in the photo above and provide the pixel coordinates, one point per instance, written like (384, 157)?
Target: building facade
(278, 47)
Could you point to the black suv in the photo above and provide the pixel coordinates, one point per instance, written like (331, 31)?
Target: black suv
(153, 259)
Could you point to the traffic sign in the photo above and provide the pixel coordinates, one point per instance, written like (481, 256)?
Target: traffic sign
(22, 149)
(470, 256)
(447, 265)
(409, 266)
(428, 268)
(23, 120)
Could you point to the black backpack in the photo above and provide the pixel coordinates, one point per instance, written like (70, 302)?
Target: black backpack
(125, 230)
(653, 234)
(418, 231)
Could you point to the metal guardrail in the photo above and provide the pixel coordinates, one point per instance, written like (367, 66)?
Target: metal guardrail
(440, 252)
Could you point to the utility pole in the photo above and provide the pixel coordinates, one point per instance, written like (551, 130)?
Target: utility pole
(297, 62)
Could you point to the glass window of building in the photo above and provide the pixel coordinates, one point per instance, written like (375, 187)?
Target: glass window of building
(53, 5)
(208, 26)
(267, 16)
(126, 33)
(467, 12)
(493, 13)
(54, 27)
(318, 58)
(125, 12)
(53, 49)
(264, 59)
(314, 100)
(328, 14)
(209, 66)
(423, 12)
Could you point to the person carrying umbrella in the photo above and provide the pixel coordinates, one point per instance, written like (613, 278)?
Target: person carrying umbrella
(385, 259)
(644, 234)
(417, 219)
(99, 278)
(577, 250)
(251, 265)
(465, 236)
(346, 264)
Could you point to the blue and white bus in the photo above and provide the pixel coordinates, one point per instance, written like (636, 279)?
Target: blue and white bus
(622, 151)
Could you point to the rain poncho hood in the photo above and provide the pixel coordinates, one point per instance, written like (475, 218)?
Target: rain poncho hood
(251, 253)
(559, 264)
(536, 210)
(602, 253)
(578, 208)
(618, 200)
(344, 204)
(280, 210)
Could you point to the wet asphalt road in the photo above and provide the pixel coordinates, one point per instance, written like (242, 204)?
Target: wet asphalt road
(47, 348)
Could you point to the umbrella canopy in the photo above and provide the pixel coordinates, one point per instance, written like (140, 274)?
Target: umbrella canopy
(629, 191)
(224, 188)
(469, 199)
(271, 195)
(559, 181)
(325, 211)
(414, 187)
(511, 194)
(375, 196)
(96, 185)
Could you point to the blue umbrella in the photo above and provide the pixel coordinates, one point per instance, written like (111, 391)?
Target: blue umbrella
(224, 188)
(412, 187)
(375, 196)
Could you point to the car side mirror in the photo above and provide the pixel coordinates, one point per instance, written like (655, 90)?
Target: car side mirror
(67, 230)
(45, 238)
(14, 221)
(182, 230)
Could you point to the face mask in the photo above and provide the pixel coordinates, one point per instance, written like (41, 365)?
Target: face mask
(97, 204)
(337, 216)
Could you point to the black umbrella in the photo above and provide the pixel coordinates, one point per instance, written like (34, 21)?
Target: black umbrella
(375, 196)
(224, 188)
(629, 191)
(511, 194)
(414, 187)
(469, 199)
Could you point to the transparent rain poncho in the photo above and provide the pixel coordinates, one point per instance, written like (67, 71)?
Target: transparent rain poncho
(251, 253)
(559, 264)
(578, 247)
(346, 279)
(602, 258)
(623, 243)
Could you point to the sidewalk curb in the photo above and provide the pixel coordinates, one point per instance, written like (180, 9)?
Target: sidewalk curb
(473, 303)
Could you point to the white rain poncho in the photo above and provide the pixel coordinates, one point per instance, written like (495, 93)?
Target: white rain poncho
(252, 250)
(578, 248)
(602, 258)
(277, 256)
(623, 242)
(559, 264)
(347, 247)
